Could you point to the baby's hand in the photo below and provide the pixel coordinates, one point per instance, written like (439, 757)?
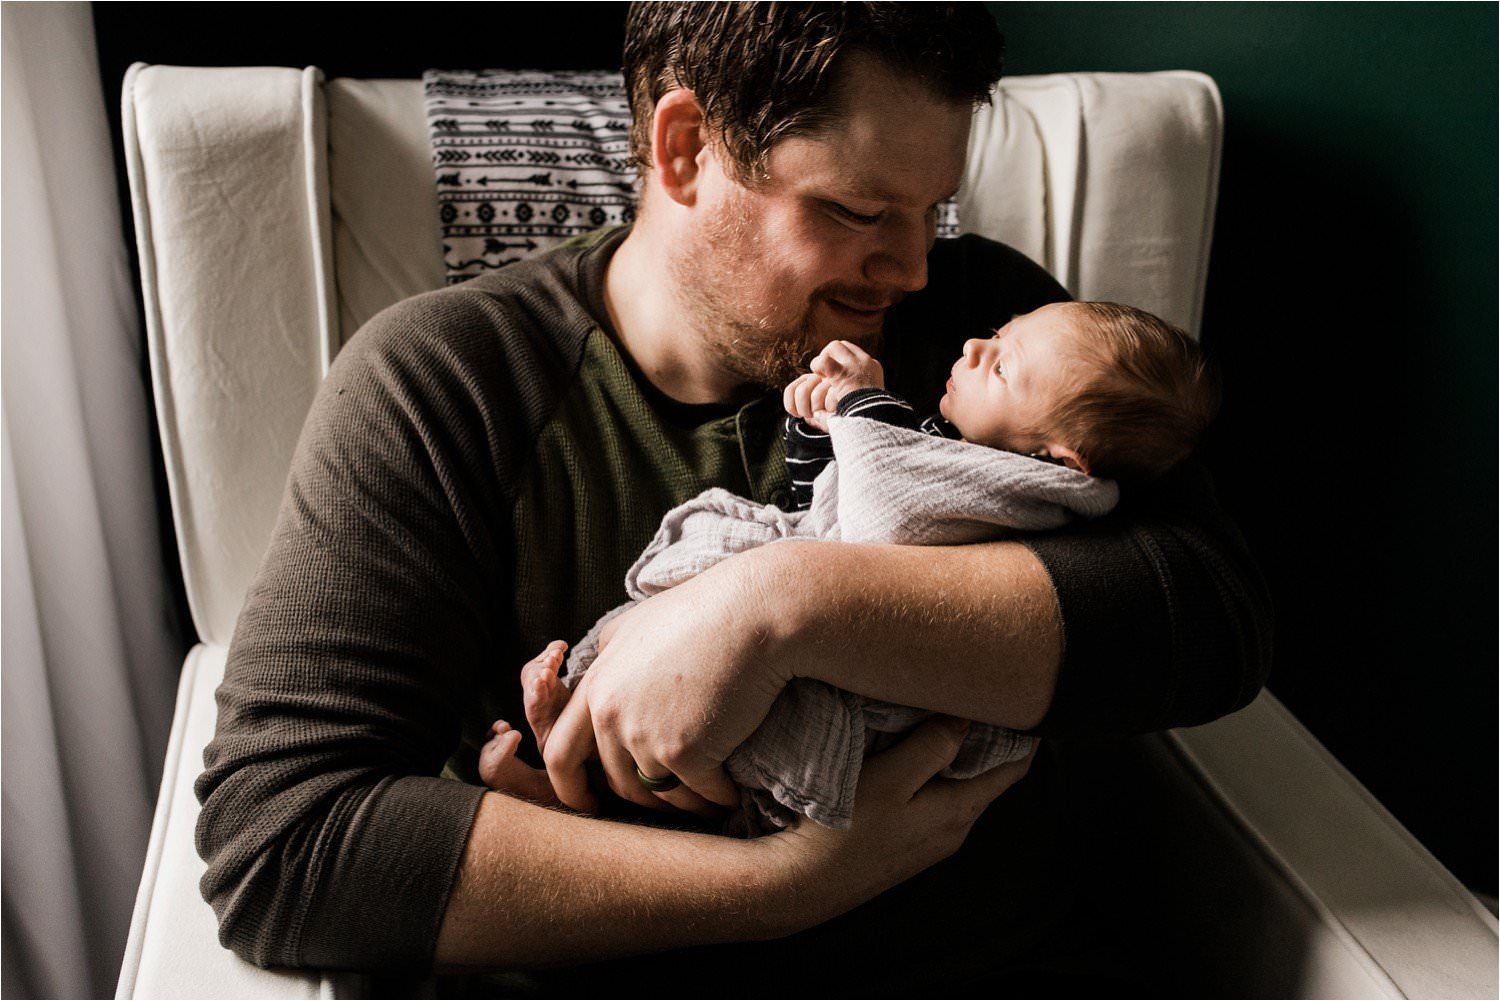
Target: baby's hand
(807, 397)
(838, 370)
(848, 367)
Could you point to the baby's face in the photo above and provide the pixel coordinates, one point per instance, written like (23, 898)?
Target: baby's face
(1004, 387)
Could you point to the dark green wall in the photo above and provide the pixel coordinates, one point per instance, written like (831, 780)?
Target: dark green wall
(1352, 302)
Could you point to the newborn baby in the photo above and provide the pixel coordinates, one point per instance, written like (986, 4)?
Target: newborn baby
(1109, 390)
(1102, 389)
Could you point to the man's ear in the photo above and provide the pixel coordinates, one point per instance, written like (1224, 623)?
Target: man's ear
(1069, 457)
(677, 141)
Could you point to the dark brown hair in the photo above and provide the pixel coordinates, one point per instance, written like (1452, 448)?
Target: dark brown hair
(1150, 407)
(764, 71)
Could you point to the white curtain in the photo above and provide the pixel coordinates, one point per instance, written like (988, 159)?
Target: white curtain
(90, 658)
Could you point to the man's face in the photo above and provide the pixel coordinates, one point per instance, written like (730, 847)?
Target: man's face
(837, 234)
(1003, 390)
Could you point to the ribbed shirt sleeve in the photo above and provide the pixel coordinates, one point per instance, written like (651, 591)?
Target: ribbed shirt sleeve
(1166, 619)
(331, 840)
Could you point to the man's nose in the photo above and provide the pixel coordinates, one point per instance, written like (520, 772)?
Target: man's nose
(901, 261)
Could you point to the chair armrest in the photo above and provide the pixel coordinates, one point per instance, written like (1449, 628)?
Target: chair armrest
(1366, 909)
(173, 950)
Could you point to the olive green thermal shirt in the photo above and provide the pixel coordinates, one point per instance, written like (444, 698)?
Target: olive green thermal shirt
(478, 471)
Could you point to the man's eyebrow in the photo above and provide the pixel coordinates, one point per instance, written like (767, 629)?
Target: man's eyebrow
(876, 193)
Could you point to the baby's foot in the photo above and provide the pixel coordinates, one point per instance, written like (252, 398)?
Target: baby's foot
(543, 692)
(502, 771)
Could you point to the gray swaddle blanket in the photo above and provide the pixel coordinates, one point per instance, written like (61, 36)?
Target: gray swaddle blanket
(886, 485)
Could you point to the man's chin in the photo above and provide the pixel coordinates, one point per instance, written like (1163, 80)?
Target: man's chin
(785, 356)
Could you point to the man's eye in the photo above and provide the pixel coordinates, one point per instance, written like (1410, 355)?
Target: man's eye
(853, 216)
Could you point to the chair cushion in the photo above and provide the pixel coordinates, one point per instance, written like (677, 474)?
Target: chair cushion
(173, 950)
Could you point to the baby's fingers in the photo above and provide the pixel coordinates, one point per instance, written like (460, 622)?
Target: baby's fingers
(826, 364)
(839, 357)
(824, 401)
(789, 395)
(803, 390)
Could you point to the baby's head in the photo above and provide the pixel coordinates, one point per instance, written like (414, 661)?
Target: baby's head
(1108, 389)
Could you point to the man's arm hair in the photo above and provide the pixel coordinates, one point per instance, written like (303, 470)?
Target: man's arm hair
(1149, 619)
(540, 886)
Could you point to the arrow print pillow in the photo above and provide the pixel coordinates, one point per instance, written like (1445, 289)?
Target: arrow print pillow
(526, 160)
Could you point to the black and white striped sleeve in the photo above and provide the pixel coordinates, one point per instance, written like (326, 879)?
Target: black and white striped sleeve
(939, 427)
(879, 405)
(808, 450)
(808, 453)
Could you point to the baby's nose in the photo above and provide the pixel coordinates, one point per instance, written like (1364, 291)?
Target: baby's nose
(971, 349)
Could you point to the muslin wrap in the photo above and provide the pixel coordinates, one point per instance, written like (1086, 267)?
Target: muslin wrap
(886, 485)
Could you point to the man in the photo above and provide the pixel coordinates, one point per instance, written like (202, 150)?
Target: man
(484, 462)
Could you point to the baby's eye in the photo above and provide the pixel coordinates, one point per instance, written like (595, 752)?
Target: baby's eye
(999, 369)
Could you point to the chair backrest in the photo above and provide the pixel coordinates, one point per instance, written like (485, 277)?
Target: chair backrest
(276, 213)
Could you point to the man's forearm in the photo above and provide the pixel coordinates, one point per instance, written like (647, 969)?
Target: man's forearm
(537, 887)
(972, 631)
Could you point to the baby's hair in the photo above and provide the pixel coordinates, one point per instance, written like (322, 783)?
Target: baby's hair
(1150, 407)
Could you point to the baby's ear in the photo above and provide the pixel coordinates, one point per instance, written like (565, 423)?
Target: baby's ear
(1069, 457)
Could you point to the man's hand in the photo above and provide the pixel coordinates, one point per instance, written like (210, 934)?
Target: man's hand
(684, 679)
(838, 370)
(674, 888)
(905, 819)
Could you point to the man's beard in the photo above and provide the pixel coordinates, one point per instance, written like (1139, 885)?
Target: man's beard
(757, 352)
(755, 346)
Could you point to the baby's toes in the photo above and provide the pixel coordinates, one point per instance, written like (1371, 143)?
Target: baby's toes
(544, 698)
(497, 755)
(537, 673)
(550, 658)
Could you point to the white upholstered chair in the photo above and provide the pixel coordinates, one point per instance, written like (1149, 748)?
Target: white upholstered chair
(277, 211)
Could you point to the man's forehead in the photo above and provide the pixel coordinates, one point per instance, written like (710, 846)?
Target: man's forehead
(903, 173)
(889, 139)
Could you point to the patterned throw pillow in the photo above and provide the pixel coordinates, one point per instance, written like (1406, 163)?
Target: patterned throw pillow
(526, 159)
